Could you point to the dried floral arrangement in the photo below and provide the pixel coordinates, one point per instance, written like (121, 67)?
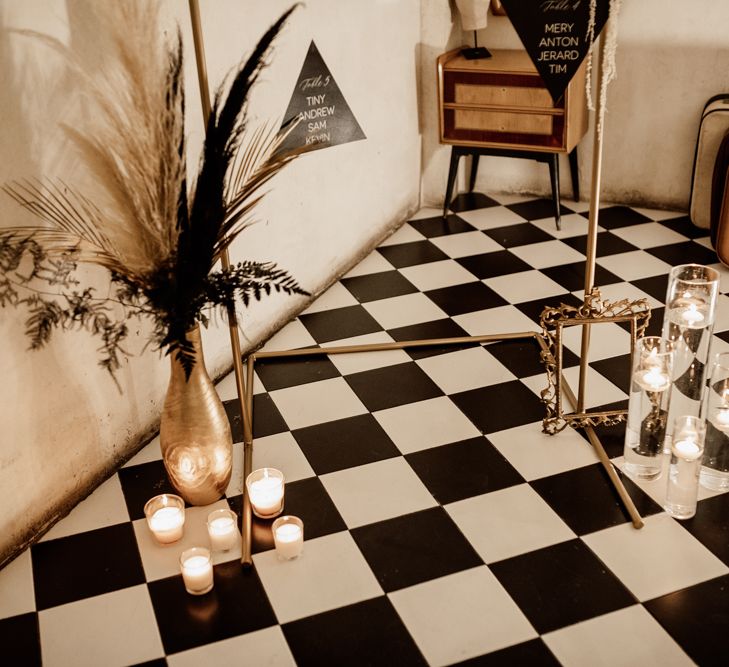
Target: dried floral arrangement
(158, 241)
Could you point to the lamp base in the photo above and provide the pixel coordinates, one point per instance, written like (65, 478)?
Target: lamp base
(475, 53)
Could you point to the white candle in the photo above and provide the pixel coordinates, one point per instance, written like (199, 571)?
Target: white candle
(197, 570)
(266, 492)
(166, 524)
(688, 450)
(722, 418)
(288, 534)
(691, 315)
(222, 530)
(653, 379)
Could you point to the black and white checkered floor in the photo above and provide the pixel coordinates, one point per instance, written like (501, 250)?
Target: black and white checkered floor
(441, 525)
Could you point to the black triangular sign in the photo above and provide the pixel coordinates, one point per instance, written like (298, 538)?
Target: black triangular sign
(554, 33)
(326, 119)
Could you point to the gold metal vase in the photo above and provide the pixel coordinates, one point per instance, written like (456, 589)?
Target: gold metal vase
(195, 436)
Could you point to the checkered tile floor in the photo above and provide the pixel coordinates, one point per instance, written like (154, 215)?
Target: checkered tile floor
(441, 525)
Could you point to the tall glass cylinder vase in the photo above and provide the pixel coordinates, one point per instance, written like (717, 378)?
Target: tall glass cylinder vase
(688, 323)
(715, 464)
(650, 392)
(687, 448)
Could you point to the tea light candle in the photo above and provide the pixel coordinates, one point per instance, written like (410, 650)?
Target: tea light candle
(288, 536)
(691, 315)
(653, 379)
(722, 418)
(165, 517)
(197, 570)
(222, 530)
(266, 492)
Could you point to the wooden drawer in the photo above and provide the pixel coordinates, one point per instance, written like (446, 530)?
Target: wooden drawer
(519, 96)
(503, 121)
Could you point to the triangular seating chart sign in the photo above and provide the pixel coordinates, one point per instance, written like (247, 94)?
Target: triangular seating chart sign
(326, 119)
(554, 33)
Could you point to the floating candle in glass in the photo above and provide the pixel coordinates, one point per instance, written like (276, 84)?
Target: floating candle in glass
(715, 464)
(683, 474)
(197, 570)
(266, 492)
(165, 517)
(288, 536)
(223, 529)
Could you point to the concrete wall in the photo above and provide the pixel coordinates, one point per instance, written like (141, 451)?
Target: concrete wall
(672, 56)
(63, 424)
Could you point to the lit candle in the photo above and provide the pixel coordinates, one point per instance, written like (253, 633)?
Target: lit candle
(653, 379)
(222, 530)
(165, 517)
(684, 468)
(197, 570)
(722, 418)
(688, 450)
(266, 492)
(288, 536)
(691, 315)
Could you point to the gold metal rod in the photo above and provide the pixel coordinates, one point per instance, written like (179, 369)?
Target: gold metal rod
(394, 345)
(246, 558)
(591, 251)
(202, 76)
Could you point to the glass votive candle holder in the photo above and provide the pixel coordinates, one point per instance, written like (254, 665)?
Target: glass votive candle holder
(687, 449)
(288, 536)
(165, 517)
(197, 570)
(265, 488)
(650, 392)
(715, 464)
(223, 529)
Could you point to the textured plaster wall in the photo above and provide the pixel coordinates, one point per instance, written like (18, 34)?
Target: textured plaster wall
(672, 56)
(63, 424)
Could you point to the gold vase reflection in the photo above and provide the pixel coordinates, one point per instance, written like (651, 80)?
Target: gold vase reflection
(195, 437)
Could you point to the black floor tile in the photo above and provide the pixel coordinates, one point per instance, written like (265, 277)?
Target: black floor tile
(521, 357)
(687, 252)
(465, 298)
(655, 286)
(683, 225)
(615, 369)
(572, 276)
(366, 633)
(160, 662)
(345, 443)
(267, 419)
(307, 499)
(534, 309)
(375, 286)
(261, 535)
(697, 618)
(20, 640)
(439, 226)
(87, 564)
(516, 235)
(469, 201)
(500, 406)
(533, 653)
(282, 373)
(445, 328)
(390, 386)
(409, 254)
(139, 483)
(614, 217)
(709, 526)
(413, 548)
(463, 469)
(536, 209)
(338, 323)
(612, 438)
(607, 244)
(655, 323)
(493, 264)
(561, 585)
(237, 604)
(586, 501)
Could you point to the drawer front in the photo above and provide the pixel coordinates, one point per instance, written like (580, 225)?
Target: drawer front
(512, 96)
(500, 127)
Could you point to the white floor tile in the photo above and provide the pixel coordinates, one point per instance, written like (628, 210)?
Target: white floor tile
(660, 558)
(292, 336)
(723, 276)
(117, 628)
(524, 286)
(465, 369)
(17, 594)
(721, 322)
(330, 573)
(427, 212)
(620, 291)
(638, 639)
(659, 214)
(228, 391)
(357, 362)
(104, 507)
(400, 311)
(634, 265)
(263, 648)
(508, 522)
(650, 235)
(504, 319)
(377, 491)
(337, 296)
(468, 243)
(548, 253)
(316, 402)
(705, 241)
(373, 263)
(425, 424)
(508, 198)
(599, 390)
(405, 234)
(606, 340)
(535, 454)
(573, 224)
(435, 275)
(150, 452)
(491, 218)
(461, 616)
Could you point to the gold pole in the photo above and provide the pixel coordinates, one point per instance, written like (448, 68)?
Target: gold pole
(246, 558)
(592, 223)
(202, 76)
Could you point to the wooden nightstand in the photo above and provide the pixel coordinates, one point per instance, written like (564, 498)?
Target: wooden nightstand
(499, 106)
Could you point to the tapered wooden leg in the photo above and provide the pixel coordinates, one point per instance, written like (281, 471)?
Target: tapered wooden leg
(575, 174)
(452, 172)
(554, 176)
(474, 171)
